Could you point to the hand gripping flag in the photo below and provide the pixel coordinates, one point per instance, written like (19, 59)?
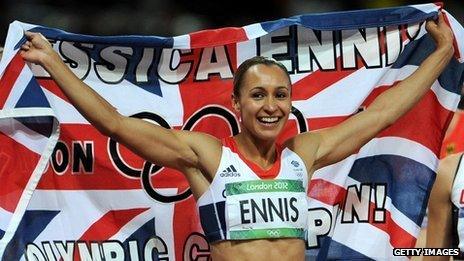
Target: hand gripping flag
(84, 196)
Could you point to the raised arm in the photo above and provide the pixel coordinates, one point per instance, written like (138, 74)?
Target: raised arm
(440, 206)
(333, 144)
(181, 150)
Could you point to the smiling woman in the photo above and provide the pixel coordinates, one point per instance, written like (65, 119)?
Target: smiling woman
(261, 95)
(251, 191)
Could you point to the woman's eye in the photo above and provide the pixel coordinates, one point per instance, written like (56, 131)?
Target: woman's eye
(257, 95)
(281, 95)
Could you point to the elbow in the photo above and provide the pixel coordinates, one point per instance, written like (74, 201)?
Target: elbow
(108, 131)
(383, 122)
(388, 121)
(111, 128)
(385, 117)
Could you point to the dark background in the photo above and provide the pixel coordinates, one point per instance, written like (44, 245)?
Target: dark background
(173, 17)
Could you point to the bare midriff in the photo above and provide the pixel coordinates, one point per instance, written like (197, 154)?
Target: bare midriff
(259, 249)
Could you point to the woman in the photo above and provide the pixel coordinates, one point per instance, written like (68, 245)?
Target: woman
(249, 207)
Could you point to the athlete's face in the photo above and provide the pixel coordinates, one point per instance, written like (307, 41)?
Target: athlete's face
(264, 102)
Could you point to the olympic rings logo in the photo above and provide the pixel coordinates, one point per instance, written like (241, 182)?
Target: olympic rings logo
(150, 169)
(273, 233)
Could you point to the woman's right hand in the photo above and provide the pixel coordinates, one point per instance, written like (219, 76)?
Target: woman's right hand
(441, 33)
(190, 152)
(37, 49)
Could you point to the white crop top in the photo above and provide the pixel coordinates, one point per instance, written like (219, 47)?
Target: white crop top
(239, 205)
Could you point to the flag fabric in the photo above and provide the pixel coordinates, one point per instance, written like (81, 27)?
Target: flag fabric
(29, 132)
(69, 193)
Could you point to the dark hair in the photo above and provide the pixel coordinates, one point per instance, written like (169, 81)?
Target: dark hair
(247, 64)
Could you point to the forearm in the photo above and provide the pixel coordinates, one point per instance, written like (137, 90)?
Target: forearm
(399, 99)
(152, 142)
(90, 104)
(342, 140)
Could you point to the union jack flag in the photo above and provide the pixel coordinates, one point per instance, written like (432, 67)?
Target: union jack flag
(70, 193)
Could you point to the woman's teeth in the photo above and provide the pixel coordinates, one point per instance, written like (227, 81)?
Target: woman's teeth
(268, 119)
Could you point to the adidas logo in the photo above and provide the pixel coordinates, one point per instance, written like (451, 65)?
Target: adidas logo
(230, 172)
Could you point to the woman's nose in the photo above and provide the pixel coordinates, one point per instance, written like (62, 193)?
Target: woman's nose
(270, 105)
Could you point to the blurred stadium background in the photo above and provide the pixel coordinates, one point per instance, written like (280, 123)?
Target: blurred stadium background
(173, 17)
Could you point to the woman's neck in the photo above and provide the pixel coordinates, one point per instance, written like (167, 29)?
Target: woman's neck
(261, 152)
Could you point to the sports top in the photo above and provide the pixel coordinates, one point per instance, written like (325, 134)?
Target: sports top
(240, 205)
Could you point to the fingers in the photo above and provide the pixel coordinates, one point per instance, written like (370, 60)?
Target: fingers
(432, 24)
(441, 33)
(35, 38)
(441, 19)
(30, 35)
(440, 23)
(35, 41)
(437, 26)
(37, 49)
(25, 47)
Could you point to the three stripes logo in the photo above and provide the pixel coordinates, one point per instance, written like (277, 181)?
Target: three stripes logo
(230, 172)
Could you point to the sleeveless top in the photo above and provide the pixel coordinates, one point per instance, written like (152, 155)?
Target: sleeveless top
(457, 198)
(240, 205)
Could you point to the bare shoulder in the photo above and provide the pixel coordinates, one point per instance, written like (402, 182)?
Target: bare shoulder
(207, 147)
(200, 137)
(200, 141)
(449, 165)
(301, 141)
(306, 146)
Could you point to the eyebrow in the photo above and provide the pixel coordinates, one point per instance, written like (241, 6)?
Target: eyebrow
(263, 89)
(283, 87)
